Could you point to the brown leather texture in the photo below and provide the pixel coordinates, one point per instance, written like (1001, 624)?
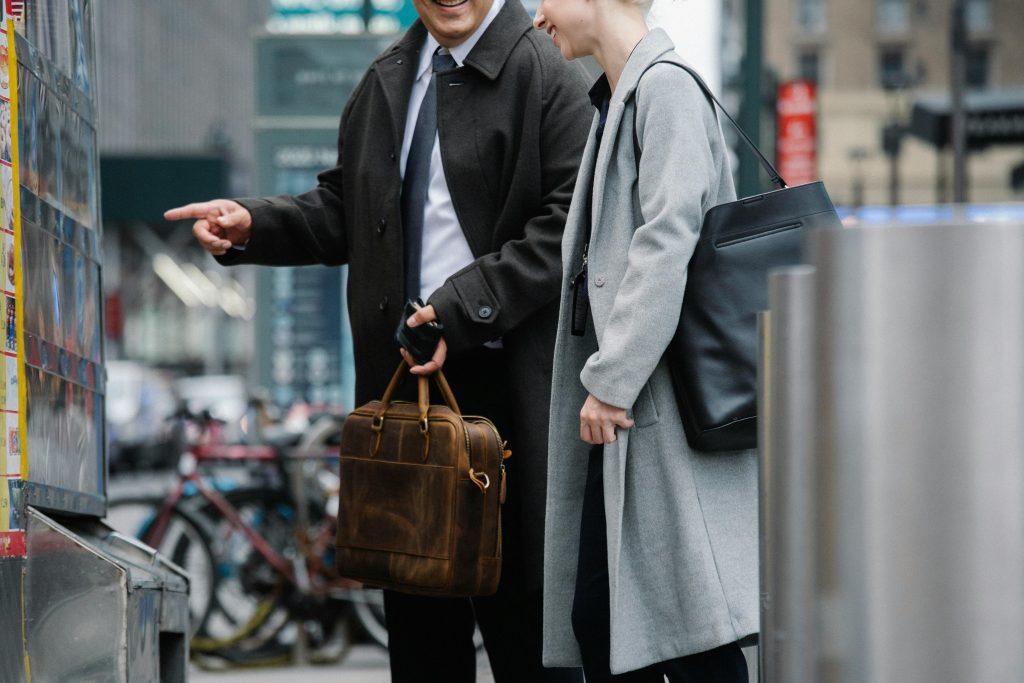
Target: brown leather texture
(421, 494)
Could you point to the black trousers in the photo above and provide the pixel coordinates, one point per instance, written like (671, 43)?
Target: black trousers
(431, 639)
(591, 618)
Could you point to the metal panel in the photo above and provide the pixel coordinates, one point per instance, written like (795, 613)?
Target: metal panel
(75, 608)
(12, 657)
(61, 500)
(117, 609)
(143, 619)
(920, 365)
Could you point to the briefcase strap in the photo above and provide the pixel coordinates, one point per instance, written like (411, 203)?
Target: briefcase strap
(767, 165)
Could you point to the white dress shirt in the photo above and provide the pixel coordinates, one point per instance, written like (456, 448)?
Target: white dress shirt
(445, 249)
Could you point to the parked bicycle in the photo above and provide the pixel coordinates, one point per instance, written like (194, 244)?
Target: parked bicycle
(259, 551)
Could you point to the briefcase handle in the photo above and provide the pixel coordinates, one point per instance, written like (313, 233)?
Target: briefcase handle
(423, 387)
(423, 390)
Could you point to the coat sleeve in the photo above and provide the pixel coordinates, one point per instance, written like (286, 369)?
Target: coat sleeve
(524, 275)
(304, 229)
(675, 177)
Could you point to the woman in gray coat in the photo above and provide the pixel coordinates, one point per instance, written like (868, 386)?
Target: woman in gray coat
(650, 547)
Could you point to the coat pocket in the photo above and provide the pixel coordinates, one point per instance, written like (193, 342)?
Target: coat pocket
(645, 413)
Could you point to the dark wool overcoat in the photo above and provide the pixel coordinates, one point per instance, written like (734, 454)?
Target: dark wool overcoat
(512, 122)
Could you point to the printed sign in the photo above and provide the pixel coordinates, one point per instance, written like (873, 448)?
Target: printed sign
(797, 144)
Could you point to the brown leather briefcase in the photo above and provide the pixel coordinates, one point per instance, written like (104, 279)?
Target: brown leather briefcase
(421, 494)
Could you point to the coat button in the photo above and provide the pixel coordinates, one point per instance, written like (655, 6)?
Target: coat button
(383, 306)
(381, 224)
(599, 282)
(392, 155)
(485, 312)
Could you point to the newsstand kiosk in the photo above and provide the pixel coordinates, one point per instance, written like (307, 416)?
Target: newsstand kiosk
(78, 602)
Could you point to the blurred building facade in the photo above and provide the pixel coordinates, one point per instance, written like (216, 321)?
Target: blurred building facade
(176, 105)
(177, 78)
(872, 61)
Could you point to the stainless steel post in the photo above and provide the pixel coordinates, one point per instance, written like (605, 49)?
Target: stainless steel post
(787, 410)
(920, 505)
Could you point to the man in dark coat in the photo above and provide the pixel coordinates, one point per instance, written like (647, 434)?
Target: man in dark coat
(482, 247)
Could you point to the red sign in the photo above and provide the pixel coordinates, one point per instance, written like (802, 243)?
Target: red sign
(12, 544)
(15, 9)
(797, 142)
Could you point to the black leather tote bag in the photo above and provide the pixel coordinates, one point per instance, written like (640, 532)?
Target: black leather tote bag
(713, 355)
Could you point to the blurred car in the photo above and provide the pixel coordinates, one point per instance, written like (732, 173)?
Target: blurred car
(225, 396)
(139, 400)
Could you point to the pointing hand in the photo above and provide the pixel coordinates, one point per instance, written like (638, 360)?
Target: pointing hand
(220, 223)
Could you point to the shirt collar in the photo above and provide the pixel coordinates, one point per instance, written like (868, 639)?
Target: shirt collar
(461, 51)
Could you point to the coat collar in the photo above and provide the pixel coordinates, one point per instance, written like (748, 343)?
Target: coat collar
(655, 46)
(488, 56)
(397, 65)
(495, 45)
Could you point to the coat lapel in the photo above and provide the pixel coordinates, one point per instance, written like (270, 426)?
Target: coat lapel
(396, 70)
(611, 132)
(575, 230)
(651, 48)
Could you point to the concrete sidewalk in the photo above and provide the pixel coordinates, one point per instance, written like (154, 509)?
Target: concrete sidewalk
(364, 664)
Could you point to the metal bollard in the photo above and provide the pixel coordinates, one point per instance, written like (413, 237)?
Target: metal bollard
(920, 442)
(787, 410)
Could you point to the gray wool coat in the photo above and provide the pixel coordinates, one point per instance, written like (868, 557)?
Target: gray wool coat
(682, 526)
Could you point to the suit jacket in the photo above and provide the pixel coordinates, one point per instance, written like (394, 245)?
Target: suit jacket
(681, 525)
(512, 123)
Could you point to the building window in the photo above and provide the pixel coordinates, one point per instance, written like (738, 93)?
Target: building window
(891, 71)
(979, 15)
(977, 67)
(808, 67)
(893, 16)
(810, 15)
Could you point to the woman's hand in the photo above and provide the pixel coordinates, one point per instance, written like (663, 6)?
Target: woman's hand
(598, 421)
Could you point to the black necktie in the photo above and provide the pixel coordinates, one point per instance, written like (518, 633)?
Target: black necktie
(417, 177)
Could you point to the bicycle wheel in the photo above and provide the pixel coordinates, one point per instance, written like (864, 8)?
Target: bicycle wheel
(368, 606)
(255, 610)
(184, 543)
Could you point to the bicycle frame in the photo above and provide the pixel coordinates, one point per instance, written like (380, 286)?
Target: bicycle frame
(210, 449)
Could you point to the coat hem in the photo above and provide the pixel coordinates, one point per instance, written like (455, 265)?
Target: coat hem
(618, 668)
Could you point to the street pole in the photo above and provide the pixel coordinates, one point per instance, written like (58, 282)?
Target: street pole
(892, 143)
(958, 114)
(750, 108)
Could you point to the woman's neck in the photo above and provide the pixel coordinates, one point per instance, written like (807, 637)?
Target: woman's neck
(619, 33)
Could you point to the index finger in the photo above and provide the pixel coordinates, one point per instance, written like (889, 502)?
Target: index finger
(196, 210)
